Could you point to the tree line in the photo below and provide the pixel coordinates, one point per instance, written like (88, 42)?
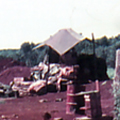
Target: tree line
(104, 48)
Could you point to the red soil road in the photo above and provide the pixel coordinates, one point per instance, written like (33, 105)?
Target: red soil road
(29, 107)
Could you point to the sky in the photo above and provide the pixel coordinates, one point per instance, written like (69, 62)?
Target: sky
(36, 20)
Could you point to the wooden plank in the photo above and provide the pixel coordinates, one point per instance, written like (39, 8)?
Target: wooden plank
(95, 103)
(74, 102)
(85, 108)
(82, 93)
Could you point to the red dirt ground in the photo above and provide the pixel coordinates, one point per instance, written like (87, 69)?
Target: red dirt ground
(30, 107)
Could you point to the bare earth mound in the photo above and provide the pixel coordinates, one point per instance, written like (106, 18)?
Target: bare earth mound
(9, 62)
(17, 71)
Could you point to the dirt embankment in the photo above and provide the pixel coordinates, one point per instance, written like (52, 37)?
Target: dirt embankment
(10, 68)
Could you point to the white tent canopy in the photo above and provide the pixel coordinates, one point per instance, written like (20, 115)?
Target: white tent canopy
(62, 41)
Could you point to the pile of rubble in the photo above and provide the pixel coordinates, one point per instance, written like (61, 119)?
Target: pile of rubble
(42, 76)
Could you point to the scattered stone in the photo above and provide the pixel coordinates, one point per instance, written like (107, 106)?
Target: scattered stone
(43, 100)
(54, 111)
(82, 118)
(104, 83)
(9, 116)
(59, 100)
(58, 118)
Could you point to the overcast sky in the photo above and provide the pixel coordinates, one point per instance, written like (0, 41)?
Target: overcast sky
(35, 20)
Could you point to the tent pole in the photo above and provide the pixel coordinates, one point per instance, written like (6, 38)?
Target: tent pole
(94, 58)
(47, 62)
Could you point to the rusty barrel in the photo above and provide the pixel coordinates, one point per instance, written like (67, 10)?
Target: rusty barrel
(73, 102)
